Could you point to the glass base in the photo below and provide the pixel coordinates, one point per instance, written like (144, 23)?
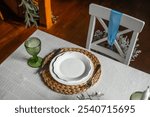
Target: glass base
(32, 63)
(136, 96)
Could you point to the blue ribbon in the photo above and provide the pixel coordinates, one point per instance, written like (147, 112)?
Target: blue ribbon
(114, 22)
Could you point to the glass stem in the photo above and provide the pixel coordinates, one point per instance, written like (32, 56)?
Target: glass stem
(35, 58)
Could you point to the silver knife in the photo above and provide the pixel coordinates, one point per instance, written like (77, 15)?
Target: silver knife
(89, 82)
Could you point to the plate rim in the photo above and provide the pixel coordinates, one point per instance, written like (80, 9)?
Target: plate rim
(74, 82)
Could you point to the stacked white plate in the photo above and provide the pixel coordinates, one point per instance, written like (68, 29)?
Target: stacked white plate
(71, 68)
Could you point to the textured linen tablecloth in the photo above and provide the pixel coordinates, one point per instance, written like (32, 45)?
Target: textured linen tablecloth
(19, 81)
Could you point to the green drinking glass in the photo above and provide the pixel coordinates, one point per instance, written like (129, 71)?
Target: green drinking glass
(33, 47)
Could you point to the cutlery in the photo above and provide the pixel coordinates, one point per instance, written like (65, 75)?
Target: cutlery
(89, 82)
(55, 52)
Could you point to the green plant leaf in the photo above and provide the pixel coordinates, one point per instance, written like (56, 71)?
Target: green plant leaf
(30, 12)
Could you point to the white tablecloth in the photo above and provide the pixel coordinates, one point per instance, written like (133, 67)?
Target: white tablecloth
(19, 81)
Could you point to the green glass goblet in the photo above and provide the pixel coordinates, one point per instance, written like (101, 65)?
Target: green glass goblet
(33, 47)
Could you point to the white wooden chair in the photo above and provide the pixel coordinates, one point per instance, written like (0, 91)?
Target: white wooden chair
(130, 23)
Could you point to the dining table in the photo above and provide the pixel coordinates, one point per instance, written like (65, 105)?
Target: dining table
(19, 81)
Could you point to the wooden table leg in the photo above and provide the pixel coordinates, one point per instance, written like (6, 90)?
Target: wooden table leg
(45, 13)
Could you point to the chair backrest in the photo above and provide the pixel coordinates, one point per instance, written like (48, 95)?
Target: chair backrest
(130, 23)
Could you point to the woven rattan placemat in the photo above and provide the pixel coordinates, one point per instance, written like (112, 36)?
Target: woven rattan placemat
(69, 89)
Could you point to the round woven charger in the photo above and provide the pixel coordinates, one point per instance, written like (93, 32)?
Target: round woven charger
(69, 89)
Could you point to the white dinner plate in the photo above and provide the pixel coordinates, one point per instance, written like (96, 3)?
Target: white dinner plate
(71, 68)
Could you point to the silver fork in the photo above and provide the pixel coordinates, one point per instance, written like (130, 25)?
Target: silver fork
(55, 52)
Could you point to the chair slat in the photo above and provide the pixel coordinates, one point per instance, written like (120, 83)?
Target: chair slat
(91, 31)
(109, 52)
(127, 21)
(103, 23)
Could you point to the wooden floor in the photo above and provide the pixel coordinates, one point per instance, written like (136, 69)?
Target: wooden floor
(72, 25)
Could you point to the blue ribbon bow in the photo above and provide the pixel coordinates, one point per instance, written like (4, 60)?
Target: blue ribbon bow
(114, 22)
